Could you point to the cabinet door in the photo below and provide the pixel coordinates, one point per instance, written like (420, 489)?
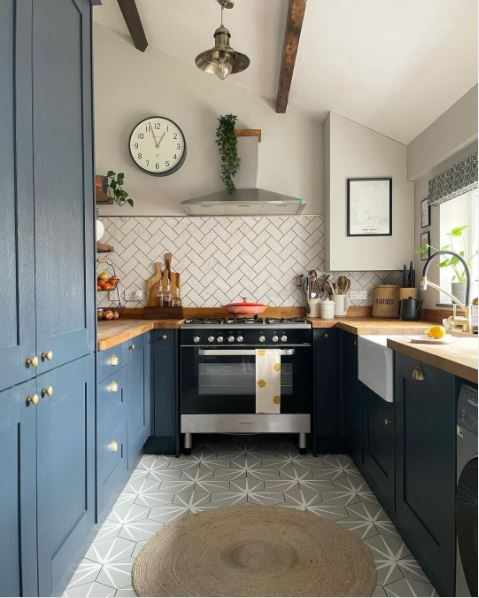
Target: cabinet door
(327, 406)
(17, 325)
(351, 397)
(135, 399)
(65, 470)
(63, 179)
(379, 446)
(426, 478)
(18, 550)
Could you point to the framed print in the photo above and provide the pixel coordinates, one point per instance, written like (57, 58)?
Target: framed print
(369, 207)
(423, 239)
(425, 213)
(101, 190)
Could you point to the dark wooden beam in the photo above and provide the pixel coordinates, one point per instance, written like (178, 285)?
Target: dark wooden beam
(292, 34)
(132, 18)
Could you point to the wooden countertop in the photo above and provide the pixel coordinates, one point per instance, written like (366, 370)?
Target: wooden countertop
(114, 332)
(371, 325)
(458, 358)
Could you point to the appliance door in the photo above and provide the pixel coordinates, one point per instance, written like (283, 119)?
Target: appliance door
(466, 530)
(223, 380)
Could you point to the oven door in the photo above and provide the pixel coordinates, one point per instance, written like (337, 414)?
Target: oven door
(223, 380)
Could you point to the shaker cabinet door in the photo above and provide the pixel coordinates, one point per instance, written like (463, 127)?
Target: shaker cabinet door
(63, 180)
(17, 326)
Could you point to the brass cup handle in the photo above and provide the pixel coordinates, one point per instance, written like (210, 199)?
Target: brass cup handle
(114, 360)
(114, 386)
(47, 392)
(47, 356)
(32, 362)
(418, 374)
(33, 399)
(388, 422)
(114, 446)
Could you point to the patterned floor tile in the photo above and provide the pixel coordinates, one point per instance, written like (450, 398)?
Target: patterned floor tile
(409, 587)
(140, 530)
(86, 572)
(108, 551)
(388, 551)
(347, 490)
(146, 492)
(92, 589)
(126, 592)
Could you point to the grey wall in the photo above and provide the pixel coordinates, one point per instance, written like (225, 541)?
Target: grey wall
(130, 85)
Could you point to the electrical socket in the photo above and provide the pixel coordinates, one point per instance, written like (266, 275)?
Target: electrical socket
(358, 295)
(133, 295)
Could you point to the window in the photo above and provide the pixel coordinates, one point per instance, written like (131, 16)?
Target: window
(454, 213)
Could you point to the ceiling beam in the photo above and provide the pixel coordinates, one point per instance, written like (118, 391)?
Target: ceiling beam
(132, 18)
(294, 24)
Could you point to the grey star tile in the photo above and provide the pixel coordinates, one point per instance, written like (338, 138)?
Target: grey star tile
(164, 474)
(140, 530)
(349, 491)
(108, 551)
(410, 587)
(117, 574)
(152, 462)
(126, 592)
(167, 514)
(93, 590)
(109, 529)
(128, 513)
(387, 552)
(86, 572)
(379, 591)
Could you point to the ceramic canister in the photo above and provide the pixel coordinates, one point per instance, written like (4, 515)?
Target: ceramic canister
(341, 304)
(327, 309)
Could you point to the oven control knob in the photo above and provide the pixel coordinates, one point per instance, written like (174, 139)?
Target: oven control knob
(275, 339)
(231, 339)
(240, 339)
(284, 338)
(219, 339)
(211, 339)
(196, 339)
(262, 339)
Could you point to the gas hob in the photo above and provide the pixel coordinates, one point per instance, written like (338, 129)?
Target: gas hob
(237, 322)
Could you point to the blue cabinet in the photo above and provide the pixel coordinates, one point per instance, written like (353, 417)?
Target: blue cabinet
(351, 396)
(17, 324)
(136, 398)
(425, 467)
(327, 434)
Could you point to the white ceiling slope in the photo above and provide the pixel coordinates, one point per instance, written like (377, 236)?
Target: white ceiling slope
(392, 65)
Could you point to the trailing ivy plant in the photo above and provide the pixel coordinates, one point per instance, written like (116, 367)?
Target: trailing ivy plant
(115, 182)
(228, 149)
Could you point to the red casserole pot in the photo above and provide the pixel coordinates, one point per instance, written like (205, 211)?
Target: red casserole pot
(245, 308)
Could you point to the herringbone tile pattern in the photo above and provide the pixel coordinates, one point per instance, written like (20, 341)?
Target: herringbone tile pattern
(222, 259)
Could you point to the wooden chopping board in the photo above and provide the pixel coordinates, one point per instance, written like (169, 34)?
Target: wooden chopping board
(153, 282)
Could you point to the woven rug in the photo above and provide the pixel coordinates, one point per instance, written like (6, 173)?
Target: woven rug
(254, 551)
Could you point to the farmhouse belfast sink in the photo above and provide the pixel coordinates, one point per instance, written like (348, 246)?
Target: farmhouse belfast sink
(375, 365)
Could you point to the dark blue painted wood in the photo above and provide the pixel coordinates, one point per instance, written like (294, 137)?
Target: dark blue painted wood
(165, 382)
(425, 468)
(110, 361)
(136, 399)
(148, 381)
(379, 445)
(18, 550)
(65, 471)
(17, 330)
(63, 177)
(351, 396)
(326, 405)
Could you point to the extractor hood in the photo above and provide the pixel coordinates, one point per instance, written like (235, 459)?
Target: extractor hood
(248, 199)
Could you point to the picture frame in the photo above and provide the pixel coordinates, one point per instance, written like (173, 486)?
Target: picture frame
(425, 213)
(102, 195)
(424, 238)
(369, 207)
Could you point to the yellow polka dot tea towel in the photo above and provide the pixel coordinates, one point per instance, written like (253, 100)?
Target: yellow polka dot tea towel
(268, 380)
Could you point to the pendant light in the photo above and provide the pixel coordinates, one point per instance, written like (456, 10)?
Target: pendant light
(222, 60)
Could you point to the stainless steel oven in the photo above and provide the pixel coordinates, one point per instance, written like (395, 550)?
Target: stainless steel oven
(218, 379)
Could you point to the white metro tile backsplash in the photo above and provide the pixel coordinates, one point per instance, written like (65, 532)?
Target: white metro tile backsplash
(222, 259)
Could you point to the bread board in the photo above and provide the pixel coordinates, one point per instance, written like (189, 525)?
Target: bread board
(427, 340)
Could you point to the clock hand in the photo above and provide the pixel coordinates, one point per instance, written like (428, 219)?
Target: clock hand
(153, 133)
(161, 139)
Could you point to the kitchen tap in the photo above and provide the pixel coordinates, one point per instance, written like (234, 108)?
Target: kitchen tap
(464, 321)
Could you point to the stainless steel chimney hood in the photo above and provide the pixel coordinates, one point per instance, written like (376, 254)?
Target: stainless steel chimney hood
(248, 199)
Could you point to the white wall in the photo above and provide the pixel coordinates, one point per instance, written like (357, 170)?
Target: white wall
(130, 85)
(356, 151)
(450, 133)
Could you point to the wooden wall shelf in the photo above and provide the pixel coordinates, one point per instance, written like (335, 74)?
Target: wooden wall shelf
(249, 133)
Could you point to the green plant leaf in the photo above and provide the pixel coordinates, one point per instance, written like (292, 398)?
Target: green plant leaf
(457, 232)
(110, 173)
(423, 248)
(130, 201)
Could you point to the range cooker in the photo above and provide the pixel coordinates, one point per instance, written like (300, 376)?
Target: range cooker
(218, 376)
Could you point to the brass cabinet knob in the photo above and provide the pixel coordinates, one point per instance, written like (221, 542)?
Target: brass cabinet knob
(114, 386)
(163, 337)
(114, 446)
(326, 335)
(132, 347)
(32, 362)
(418, 374)
(114, 360)
(388, 422)
(47, 392)
(47, 356)
(33, 399)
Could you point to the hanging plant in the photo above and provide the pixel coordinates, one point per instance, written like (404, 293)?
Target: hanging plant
(115, 182)
(228, 149)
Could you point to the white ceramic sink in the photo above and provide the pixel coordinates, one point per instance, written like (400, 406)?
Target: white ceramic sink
(375, 365)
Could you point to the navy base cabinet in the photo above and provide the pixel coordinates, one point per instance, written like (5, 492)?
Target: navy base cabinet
(379, 445)
(351, 396)
(425, 469)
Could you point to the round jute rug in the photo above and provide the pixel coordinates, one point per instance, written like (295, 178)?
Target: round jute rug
(254, 551)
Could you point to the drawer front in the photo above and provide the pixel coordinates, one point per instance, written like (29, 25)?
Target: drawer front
(112, 465)
(132, 346)
(111, 393)
(110, 361)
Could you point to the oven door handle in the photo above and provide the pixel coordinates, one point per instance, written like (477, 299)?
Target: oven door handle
(239, 352)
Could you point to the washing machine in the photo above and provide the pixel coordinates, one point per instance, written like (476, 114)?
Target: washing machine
(466, 493)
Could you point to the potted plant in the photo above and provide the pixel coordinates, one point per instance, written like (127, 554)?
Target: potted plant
(228, 148)
(118, 194)
(457, 243)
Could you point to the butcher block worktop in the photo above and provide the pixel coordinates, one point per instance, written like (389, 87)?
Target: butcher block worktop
(113, 333)
(371, 325)
(458, 358)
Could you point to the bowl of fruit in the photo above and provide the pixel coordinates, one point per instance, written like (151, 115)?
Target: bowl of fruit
(106, 282)
(110, 313)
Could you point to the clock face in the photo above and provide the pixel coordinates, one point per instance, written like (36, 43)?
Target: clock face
(158, 146)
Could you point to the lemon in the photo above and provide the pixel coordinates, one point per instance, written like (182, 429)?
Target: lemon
(436, 332)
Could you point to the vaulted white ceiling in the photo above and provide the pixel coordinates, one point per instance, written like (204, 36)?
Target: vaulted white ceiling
(391, 65)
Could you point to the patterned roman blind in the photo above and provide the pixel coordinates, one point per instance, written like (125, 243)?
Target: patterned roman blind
(459, 179)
